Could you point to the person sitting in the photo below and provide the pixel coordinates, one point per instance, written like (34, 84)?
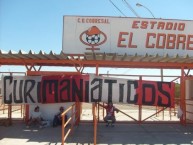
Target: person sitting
(110, 113)
(58, 119)
(35, 117)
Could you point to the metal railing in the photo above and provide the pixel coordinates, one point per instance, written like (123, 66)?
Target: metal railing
(9, 109)
(73, 120)
(95, 121)
(151, 113)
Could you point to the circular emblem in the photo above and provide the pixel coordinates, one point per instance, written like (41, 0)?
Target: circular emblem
(93, 37)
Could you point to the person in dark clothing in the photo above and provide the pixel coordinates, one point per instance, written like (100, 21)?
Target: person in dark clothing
(58, 119)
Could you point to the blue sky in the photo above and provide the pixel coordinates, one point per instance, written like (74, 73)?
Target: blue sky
(37, 24)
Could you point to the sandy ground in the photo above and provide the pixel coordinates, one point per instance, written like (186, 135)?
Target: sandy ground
(127, 133)
(131, 110)
(120, 134)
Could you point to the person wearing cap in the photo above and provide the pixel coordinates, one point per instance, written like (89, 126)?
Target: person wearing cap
(58, 119)
(35, 117)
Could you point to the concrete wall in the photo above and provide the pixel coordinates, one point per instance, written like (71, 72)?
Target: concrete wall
(189, 108)
(189, 101)
(49, 110)
(0, 88)
(189, 89)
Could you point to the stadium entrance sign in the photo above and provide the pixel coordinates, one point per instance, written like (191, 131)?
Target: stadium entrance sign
(127, 35)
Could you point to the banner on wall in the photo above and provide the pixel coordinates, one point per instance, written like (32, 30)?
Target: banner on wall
(85, 88)
(21, 89)
(82, 34)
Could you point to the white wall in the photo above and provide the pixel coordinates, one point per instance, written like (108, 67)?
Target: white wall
(1, 88)
(189, 90)
(49, 110)
(189, 96)
(189, 108)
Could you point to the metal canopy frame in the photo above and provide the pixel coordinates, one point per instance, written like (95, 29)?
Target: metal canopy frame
(80, 61)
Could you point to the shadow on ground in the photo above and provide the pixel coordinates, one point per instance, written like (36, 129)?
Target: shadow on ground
(149, 134)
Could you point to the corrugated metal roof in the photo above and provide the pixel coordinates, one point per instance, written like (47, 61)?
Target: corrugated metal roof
(138, 58)
(32, 55)
(93, 57)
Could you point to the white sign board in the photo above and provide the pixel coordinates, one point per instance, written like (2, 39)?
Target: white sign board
(127, 35)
